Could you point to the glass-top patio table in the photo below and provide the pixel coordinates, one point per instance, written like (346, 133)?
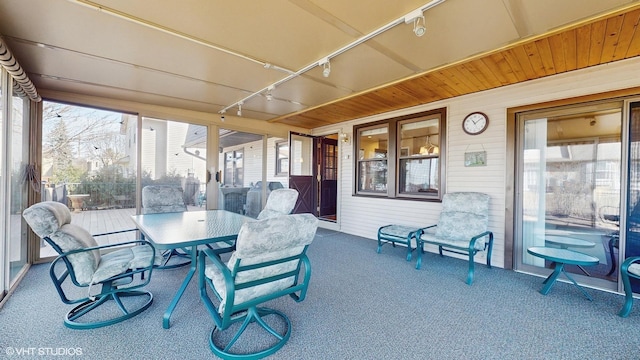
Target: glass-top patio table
(188, 230)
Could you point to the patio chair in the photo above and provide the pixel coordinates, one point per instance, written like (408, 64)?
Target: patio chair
(461, 228)
(86, 266)
(267, 264)
(158, 199)
(630, 268)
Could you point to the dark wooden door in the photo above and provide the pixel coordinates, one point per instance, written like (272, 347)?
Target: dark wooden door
(302, 172)
(328, 161)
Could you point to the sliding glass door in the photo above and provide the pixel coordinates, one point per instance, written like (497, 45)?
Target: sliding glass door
(570, 186)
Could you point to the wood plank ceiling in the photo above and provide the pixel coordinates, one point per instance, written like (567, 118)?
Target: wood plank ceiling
(600, 41)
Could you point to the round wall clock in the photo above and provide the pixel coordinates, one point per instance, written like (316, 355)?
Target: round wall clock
(475, 123)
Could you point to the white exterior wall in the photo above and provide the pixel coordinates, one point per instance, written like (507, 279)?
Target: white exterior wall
(363, 216)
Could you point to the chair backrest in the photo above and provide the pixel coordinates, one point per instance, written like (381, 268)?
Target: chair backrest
(162, 199)
(279, 202)
(464, 215)
(51, 221)
(260, 264)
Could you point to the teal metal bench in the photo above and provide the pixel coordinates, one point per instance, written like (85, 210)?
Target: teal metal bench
(397, 234)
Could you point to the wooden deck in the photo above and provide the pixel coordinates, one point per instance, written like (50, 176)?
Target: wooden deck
(104, 221)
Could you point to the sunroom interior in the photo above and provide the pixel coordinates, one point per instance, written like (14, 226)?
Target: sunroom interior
(358, 105)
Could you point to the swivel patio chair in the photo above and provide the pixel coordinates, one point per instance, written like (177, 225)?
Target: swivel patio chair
(630, 268)
(267, 264)
(461, 228)
(158, 199)
(86, 266)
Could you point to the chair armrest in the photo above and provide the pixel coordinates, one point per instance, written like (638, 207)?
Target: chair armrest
(472, 243)
(628, 262)
(203, 280)
(114, 232)
(421, 231)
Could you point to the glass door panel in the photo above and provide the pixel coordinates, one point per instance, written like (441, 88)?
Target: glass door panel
(88, 163)
(632, 226)
(174, 153)
(570, 185)
(19, 159)
(241, 159)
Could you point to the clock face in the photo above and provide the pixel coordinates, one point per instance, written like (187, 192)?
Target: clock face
(475, 123)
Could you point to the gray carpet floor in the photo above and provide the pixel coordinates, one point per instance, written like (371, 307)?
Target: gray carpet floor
(360, 305)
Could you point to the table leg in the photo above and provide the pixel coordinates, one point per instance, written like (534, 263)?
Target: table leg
(578, 286)
(185, 283)
(549, 281)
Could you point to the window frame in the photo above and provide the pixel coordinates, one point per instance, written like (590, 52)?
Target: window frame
(394, 151)
(279, 169)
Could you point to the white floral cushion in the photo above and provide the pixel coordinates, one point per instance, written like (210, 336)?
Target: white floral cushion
(262, 241)
(280, 202)
(162, 199)
(464, 215)
(634, 269)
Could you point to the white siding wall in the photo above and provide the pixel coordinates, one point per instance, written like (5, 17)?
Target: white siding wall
(362, 216)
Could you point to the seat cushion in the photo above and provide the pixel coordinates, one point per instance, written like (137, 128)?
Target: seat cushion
(431, 236)
(71, 237)
(400, 231)
(634, 269)
(119, 261)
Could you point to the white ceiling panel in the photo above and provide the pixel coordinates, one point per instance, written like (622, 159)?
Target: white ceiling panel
(212, 54)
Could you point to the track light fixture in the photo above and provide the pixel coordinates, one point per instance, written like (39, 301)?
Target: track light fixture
(269, 95)
(326, 67)
(417, 18)
(240, 108)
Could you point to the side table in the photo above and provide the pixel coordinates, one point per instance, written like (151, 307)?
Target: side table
(560, 257)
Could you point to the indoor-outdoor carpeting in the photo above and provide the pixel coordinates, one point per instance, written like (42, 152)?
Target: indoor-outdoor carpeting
(360, 305)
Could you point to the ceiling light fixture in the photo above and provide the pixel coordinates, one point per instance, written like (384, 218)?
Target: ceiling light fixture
(417, 18)
(269, 94)
(326, 67)
(240, 108)
(408, 18)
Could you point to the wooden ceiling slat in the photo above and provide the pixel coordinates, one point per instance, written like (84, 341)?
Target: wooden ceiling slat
(442, 85)
(436, 86)
(418, 89)
(450, 80)
(481, 67)
(634, 46)
(476, 73)
(478, 83)
(598, 33)
(491, 66)
(524, 61)
(557, 53)
(512, 59)
(501, 66)
(583, 44)
(534, 57)
(627, 30)
(611, 39)
(570, 49)
(457, 73)
(544, 49)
